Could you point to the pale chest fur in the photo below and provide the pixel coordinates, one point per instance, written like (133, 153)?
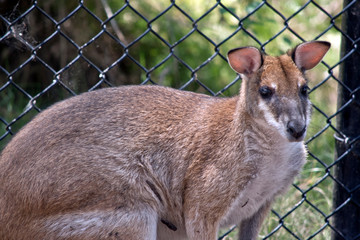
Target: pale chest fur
(275, 173)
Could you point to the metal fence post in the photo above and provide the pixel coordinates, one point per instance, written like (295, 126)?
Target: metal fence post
(346, 221)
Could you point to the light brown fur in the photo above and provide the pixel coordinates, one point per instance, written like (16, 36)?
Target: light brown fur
(146, 162)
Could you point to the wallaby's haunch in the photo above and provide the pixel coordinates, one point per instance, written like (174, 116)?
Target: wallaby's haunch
(146, 162)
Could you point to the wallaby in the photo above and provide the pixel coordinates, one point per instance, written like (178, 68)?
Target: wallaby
(150, 162)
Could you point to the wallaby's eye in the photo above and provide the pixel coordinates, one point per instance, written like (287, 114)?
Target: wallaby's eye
(304, 90)
(266, 92)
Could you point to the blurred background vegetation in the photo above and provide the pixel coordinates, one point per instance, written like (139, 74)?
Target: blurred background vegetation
(59, 49)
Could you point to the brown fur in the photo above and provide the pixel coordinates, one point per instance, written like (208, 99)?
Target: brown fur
(146, 162)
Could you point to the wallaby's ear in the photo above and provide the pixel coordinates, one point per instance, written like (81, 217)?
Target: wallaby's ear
(245, 60)
(308, 55)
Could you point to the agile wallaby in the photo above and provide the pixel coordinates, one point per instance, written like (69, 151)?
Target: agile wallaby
(146, 162)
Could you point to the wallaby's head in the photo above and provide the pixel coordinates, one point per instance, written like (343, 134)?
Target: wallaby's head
(274, 89)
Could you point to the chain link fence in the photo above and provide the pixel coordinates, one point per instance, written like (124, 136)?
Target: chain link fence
(52, 50)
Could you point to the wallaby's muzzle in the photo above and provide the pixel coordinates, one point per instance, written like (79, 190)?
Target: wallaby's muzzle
(296, 130)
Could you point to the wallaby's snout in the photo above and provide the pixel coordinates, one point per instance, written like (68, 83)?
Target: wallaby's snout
(289, 115)
(296, 129)
(295, 117)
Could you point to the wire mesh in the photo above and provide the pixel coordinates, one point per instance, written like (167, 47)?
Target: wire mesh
(51, 51)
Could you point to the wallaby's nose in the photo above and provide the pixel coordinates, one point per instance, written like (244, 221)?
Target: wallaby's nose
(296, 129)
